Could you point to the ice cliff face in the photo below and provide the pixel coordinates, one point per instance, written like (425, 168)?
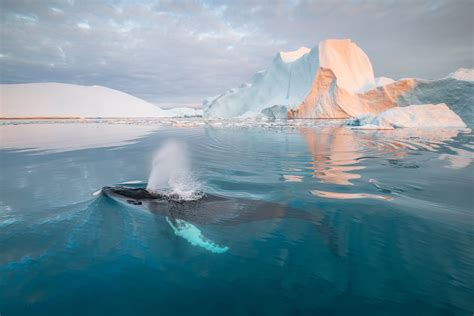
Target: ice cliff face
(457, 94)
(286, 83)
(349, 63)
(341, 84)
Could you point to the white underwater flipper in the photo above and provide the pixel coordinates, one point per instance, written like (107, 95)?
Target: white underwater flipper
(194, 236)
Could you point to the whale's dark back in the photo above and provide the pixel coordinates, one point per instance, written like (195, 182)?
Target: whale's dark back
(131, 193)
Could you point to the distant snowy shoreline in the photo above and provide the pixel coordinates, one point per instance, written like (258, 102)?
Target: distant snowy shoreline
(59, 100)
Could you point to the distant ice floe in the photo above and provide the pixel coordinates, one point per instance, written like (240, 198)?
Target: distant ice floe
(464, 74)
(423, 115)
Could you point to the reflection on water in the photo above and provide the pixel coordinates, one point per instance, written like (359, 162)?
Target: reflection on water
(68, 136)
(460, 159)
(349, 196)
(63, 248)
(338, 152)
(292, 178)
(335, 152)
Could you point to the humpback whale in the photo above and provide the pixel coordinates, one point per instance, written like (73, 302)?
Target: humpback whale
(207, 209)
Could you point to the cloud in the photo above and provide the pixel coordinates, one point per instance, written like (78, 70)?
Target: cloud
(183, 51)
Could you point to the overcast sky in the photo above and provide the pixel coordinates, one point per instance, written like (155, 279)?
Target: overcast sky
(179, 52)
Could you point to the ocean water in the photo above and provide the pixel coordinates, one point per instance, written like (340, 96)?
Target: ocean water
(353, 222)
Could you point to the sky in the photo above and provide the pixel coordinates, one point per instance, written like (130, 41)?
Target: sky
(176, 53)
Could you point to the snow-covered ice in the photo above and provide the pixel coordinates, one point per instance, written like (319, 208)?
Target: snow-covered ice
(465, 74)
(423, 115)
(291, 56)
(66, 100)
(457, 94)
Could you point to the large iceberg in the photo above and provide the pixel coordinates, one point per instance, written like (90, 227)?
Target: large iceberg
(336, 80)
(53, 100)
(294, 77)
(423, 115)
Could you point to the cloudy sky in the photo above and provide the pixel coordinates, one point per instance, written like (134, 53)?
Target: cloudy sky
(179, 52)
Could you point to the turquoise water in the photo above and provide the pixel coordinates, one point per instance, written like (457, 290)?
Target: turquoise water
(362, 222)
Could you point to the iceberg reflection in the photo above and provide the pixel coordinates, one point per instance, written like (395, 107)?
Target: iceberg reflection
(63, 136)
(337, 152)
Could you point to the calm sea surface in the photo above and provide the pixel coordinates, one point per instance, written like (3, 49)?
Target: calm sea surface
(360, 222)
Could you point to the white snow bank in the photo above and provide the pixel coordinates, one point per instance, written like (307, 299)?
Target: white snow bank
(67, 100)
(349, 63)
(465, 74)
(55, 100)
(424, 115)
(291, 56)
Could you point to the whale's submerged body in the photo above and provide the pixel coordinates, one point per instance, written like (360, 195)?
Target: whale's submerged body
(206, 209)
